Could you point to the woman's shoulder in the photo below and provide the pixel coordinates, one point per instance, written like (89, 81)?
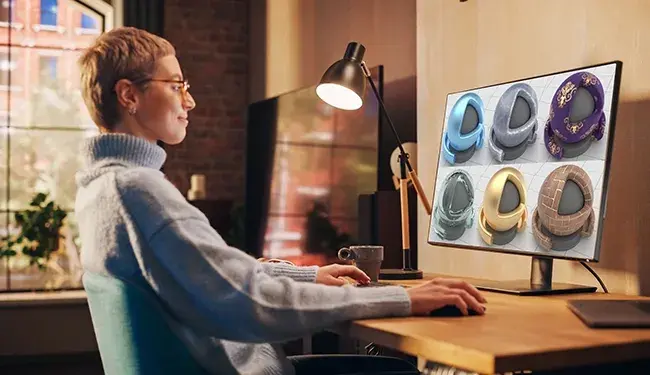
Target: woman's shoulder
(147, 186)
(142, 180)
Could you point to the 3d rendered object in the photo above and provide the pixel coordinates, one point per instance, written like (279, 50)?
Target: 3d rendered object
(576, 116)
(465, 129)
(515, 123)
(454, 210)
(503, 212)
(564, 212)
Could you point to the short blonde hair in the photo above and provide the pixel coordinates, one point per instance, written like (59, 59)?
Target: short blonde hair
(122, 53)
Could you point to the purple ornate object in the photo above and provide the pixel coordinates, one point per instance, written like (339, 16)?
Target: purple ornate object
(559, 129)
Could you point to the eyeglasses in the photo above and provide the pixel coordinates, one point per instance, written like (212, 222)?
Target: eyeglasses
(184, 89)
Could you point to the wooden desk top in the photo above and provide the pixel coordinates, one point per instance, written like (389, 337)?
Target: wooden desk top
(516, 333)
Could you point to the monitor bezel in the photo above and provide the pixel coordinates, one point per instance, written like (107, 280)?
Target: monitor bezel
(608, 160)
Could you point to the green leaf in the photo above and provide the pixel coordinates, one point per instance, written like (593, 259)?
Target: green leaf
(39, 199)
(39, 234)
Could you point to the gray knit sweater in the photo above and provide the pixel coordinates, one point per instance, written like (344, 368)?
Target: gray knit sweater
(231, 310)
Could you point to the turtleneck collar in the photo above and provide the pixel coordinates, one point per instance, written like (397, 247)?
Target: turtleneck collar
(124, 148)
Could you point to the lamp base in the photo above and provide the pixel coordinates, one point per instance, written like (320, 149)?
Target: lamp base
(399, 274)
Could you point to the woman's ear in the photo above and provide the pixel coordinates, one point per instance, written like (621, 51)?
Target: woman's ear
(126, 94)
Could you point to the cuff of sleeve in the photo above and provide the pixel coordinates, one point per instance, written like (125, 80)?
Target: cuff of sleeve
(385, 300)
(304, 274)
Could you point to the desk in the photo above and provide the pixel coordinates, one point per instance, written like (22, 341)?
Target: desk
(516, 333)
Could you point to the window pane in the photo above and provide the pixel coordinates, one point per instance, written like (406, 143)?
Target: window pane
(8, 70)
(51, 23)
(5, 10)
(44, 161)
(4, 146)
(48, 12)
(45, 89)
(88, 22)
(3, 262)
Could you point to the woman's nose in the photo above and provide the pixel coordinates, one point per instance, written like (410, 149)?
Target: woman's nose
(189, 102)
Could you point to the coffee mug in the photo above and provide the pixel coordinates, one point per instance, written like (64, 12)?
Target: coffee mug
(367, 258)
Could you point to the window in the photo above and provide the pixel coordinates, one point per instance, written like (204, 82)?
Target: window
(48, 68)
(87, 22)
(5, 10)
(49, 10)
(5, 68)
(42, 121)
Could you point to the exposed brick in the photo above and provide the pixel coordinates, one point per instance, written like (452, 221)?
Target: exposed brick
(211, 41)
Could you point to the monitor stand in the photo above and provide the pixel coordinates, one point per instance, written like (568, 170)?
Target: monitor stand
(540, 283)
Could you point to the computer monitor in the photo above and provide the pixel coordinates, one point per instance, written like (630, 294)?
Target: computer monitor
(523, 168)
(306, 165)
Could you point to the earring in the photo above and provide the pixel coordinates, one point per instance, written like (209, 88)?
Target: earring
(132, 111)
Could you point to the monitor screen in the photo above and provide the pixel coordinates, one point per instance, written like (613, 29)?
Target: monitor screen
(523, 166)
(307, 164)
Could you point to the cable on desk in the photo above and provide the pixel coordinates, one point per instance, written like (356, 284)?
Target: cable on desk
(602, 285)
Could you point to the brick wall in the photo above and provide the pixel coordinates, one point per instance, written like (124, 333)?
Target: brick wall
(211, 40)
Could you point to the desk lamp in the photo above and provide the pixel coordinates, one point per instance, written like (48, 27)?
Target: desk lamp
(343, 86)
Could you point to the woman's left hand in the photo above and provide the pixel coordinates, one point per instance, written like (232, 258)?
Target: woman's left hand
(333, 273)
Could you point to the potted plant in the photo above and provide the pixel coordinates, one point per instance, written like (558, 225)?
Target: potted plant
(40, 231)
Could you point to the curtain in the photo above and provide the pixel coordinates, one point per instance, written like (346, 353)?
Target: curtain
(145, 14)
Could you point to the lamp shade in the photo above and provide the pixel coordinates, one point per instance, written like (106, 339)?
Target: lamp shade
(343, 84)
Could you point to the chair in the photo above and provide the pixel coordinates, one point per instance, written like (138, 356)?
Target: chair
(132, 335)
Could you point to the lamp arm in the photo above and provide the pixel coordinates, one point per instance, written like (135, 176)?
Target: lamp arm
(411, 172)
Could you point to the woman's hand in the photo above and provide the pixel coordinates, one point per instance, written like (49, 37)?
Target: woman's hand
(331, 275)
(441, 292)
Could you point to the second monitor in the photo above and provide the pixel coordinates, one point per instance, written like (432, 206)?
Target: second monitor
(523, 168)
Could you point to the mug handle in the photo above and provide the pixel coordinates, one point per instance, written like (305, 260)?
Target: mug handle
(346, 254)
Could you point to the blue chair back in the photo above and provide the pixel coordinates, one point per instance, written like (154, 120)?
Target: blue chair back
(132, 335)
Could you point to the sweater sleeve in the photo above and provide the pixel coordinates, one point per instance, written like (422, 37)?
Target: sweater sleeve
(306, 274)
(226, 293)
(221, 290)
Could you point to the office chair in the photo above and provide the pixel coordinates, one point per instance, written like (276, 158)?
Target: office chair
(132, 336)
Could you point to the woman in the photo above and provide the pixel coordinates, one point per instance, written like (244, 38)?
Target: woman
(136, 226)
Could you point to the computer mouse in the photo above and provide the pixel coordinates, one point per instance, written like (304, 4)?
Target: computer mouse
(451, 311)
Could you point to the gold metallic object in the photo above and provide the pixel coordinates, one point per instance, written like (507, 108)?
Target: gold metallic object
(489, 213)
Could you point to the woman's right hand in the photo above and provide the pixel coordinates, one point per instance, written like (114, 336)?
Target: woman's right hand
(441, 292)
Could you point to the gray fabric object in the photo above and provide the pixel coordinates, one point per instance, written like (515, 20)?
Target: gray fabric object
(231, 311)
(508, 127)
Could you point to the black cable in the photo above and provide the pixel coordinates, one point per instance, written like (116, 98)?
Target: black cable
(602, 285)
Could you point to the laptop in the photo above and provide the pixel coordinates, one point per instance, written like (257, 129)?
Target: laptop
(612, 313)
